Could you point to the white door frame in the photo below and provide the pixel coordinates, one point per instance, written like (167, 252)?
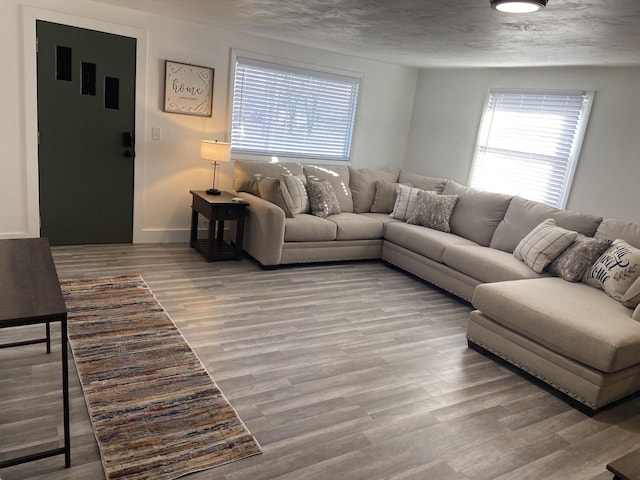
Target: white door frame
(29, 17)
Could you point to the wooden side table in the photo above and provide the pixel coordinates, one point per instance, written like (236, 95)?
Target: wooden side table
(627, 467)
(217, 209)
(30, 294)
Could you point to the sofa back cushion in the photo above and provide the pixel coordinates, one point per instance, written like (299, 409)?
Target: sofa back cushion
(363, 185)
(477, 213)
(422, 182)
(338, 177)
(244, 173)
(613, 229)
(524, 215)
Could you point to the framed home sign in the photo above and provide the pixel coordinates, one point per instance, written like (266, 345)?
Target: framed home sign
(188, 89)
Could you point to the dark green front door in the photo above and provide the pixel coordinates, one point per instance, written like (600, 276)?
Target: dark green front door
(86, 118)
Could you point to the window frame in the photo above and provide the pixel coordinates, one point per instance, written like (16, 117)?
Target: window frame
(295, 66)
(580, 132)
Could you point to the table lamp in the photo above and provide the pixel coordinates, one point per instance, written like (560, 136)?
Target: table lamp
(215, 151)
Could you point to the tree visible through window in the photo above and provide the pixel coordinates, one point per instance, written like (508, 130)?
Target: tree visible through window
(285, 111)
(529, 143)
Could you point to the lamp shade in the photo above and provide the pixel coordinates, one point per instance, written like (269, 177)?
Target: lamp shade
(214, 151)
(518, 6)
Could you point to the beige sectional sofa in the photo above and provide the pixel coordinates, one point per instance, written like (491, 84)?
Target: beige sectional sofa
(570, 335)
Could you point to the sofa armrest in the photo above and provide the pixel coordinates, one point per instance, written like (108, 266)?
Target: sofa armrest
(264, 230)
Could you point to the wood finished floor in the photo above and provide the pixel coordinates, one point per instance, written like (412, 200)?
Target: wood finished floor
(348, 371)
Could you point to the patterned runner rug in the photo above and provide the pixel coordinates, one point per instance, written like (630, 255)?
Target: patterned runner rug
(156, 412)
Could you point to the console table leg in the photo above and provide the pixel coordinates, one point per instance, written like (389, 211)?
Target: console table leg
(65, 393)
(48, 327)
(194, 227)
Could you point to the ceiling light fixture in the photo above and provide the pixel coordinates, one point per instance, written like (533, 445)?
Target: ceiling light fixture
(518, 6)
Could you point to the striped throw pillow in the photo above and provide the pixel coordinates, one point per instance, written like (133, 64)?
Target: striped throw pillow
(543, 245)
(298, 192)
(406, 199)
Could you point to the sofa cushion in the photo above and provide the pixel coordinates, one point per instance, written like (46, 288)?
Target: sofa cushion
(338, 177)
(573, 263)
(613, 229)
(385, 199)
(543, 245)
(636, 314)
(425, 241)
(354, 226)
(363, 185)
(616, 269)
(571, 319)
(273, 190)
(296, 186)
(422, 182)
(523, 215)
(477, 213)
(487, 264)
(308, 228)
(433, 210)
(244, 172)
(381, 217)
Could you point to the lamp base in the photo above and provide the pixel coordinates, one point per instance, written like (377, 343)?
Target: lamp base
(213, 191)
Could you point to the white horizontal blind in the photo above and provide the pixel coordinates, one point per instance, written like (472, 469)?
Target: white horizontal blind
(285, 111)
(529, 142)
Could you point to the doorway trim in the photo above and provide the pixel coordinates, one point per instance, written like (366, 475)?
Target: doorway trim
(29, 17)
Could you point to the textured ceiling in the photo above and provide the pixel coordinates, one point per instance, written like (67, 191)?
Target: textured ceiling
(426, 33)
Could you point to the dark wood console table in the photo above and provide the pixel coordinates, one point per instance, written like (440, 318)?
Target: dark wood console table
(30, 294)
(627, 467)
(217, 209)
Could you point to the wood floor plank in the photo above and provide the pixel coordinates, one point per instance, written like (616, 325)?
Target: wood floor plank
(349, 371)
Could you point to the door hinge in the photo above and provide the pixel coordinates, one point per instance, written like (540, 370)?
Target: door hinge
(38, 139)
(37, 45)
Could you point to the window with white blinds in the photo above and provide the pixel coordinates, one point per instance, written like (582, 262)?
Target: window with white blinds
(284, 111)
(529, 143)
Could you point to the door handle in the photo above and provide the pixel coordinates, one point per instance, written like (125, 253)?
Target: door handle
(127, 154)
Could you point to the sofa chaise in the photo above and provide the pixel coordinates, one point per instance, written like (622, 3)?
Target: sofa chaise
(576, 338)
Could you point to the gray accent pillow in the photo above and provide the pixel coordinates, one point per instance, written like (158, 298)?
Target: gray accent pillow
(616, 269)
(338, 177)
(363, 186)
(636, 314)
(385, 198)
(573, 263)
(298, 192)
(322, 198)
(523, 215)
(433, 210)
(543, 245)
(477, 213)
(273, 190)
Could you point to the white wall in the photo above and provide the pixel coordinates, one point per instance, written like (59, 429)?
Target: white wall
(448, 107)
(168, 169)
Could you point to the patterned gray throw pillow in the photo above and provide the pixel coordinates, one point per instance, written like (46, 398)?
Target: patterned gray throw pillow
(322, 198)
(433, 210)
(574, 262)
